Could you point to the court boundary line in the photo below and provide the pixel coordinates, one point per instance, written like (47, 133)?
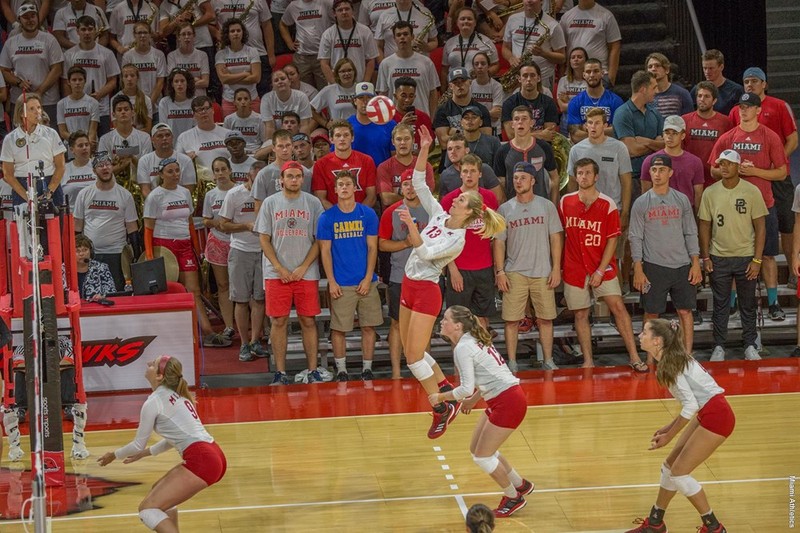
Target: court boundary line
(459, 498)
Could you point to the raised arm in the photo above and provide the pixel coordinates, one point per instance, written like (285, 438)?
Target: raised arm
(424, 193)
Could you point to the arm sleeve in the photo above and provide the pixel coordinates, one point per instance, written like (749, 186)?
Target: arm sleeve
(147, 421)
(443, 246)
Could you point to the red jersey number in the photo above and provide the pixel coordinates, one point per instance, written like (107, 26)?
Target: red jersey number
(434, 232)
(493, 352)
(190, 407)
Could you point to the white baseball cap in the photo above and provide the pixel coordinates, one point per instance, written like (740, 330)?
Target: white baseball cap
(730, 155)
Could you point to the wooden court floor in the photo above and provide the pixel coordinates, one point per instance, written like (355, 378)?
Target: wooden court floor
(590, 463)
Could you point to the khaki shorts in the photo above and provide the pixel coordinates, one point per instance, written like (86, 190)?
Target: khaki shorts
(343, 309)
(581, 297)
(521, 288)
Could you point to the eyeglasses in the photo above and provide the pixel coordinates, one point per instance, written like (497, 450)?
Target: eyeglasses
(141, 33)
(202, 109)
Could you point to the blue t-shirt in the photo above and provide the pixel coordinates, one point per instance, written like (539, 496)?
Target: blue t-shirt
(582, 102)
(348, 235)
(674, 101)
(630, 122)
(373, 139)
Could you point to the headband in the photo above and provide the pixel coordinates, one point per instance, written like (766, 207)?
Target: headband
(162, 363)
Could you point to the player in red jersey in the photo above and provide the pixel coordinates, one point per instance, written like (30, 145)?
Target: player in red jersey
(704, 127)
(343, 157)
(591, 228)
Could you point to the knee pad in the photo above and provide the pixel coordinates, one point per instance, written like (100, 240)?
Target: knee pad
(487, 464)
(686, 485)
(428, 358)
(152, 517)
(421, 369)
(666, 479)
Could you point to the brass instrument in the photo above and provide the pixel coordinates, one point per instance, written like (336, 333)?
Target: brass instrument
(509, 79)
(420, 41)
(510, 10)
(561, 148)
(188, 7)
(247, 10)
(205, 182)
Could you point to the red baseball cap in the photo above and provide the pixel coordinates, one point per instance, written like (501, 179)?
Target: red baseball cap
(406, 175)
(291, 165)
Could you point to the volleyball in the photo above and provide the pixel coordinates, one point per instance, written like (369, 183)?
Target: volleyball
(380, 109)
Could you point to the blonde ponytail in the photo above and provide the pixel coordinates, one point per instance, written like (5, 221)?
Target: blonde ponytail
(470, 324)
(172, 370)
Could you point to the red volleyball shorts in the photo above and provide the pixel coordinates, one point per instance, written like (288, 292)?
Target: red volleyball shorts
(206, 461)
(717, 416)
(182, 250)
(421, 296)
(508, 409)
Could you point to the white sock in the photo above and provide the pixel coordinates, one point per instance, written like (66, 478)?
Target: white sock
(340, 364)
(367, 365)
(510, 491)
(514, 478)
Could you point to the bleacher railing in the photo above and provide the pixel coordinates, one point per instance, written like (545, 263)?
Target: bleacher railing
(685, 29)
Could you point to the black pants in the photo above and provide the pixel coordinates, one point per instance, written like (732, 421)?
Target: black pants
(114, 262)
(726, 270)
(265, 85)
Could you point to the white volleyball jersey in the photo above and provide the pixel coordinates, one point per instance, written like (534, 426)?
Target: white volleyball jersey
(173, 417)
(694, 388)
(480, 366)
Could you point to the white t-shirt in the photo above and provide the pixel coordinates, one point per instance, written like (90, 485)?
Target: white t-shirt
(240, 171)
(489, 95)
(240, 208)
(208, 145)
(459, 52)
(419, 16)
(358, 41)
(171, 210)
(171, 416)
(196, 62)
(178, 115)
(75, 180)
(591, 29)
(522, 32)
(112, 142)
(308, 90)
(65, 18)
(105, 216)
(147, 172)
(480, 366)
(370, 11)
(148, 104)
(122, 19)
(258, 14)
(77, 114)
(32, 59)
(235, 62)
(212, 203)
(273, 108)
(26, 152)
(418, 67)
(167, 10)
(250, 127)
(99, 64)
(336, 100)
(310, 18)
(152, 65)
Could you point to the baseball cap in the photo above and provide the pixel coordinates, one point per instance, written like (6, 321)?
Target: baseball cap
(674, 122)
(300, 137)
(337, 2)
(754, 72)
(750, 99)
(458, 73)
(406, 175)
(471, 109)
(365, 88)
(729, 155)
(27, 8)
(661, 160)
(320, 137)
(160, 126)
(524, 166)
(234, 135)
(100, 159)
(291, 165)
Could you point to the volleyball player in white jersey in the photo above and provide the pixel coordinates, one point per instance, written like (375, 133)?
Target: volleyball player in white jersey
(170, 411)
(441, 242)
(480, 365)
(699, 394)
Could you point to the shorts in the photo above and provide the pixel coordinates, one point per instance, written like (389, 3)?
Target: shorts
(206, 461)
(421, 296)
(581, 297)
(478, 293)
(521, 289)
(244, 276)
(717, 416)
(508, 409)
(217, 250)
(182, 250)
(783, 192)
(668, 281)
(304, 293)
(772, 233)
(344, 308)
(394, 300)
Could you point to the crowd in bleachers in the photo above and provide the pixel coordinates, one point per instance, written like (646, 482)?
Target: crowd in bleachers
(153, 103)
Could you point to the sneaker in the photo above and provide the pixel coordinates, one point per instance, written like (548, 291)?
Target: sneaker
(440, 421)
(525, 324)
(705, 529)
(512, 365)
(228, 333)
(245, 354)
(792, 283)
(795, 352)
(548, 364)
(509, 506)
(366, 375)
(698, 318)
(718, 354)
(326, 374)
(280, 378)
(342, 376)
(257, 350)
(526, 487)
(301, 377)
(313, 377)
(751, 354)
(776, 313)
(216, 340)
(646, 527)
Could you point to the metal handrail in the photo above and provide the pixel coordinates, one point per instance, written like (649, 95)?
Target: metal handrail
(696, 24)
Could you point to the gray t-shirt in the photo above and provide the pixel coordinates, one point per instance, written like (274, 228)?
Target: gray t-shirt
(291, 223)
(485, 148)
(390, 222)
(612, 158)
(268, 182)
(239, 207)
(663, 230)
(450, 179)
(212, 203)
(418, 67)
(105, 215)
(527, 235)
